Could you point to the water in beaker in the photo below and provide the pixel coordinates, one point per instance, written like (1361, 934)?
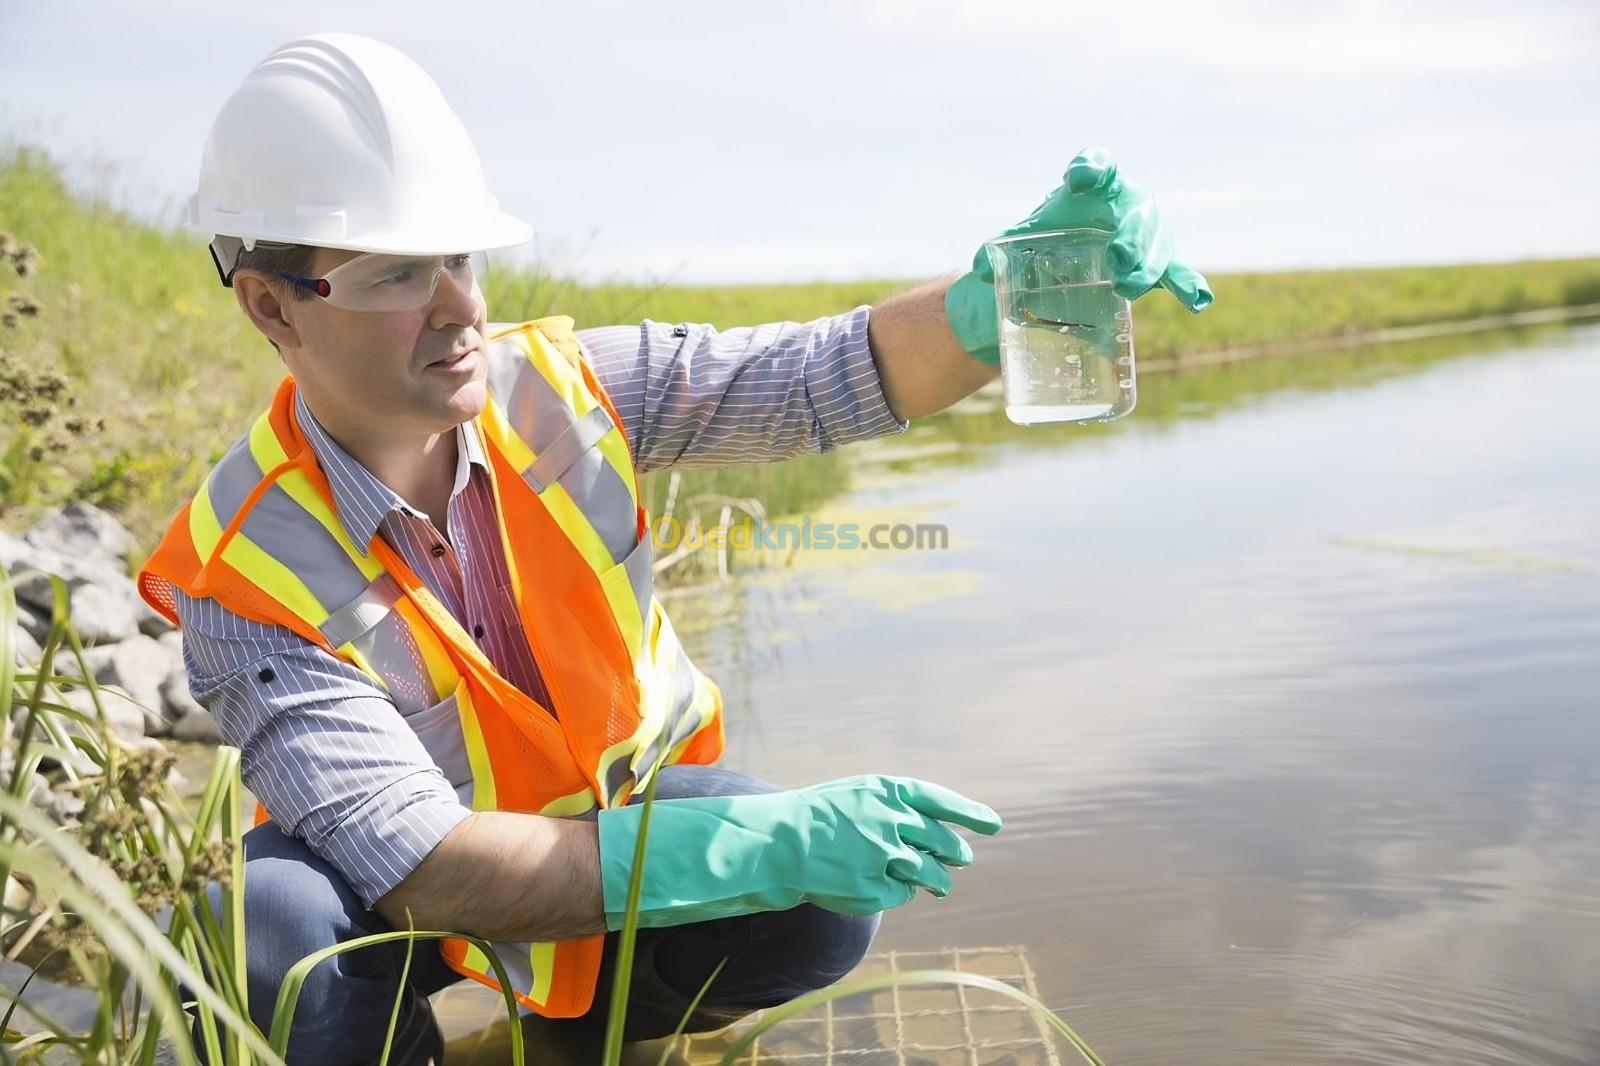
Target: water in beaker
(1066, 339)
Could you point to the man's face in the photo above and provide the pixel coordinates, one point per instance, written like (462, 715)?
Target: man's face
(422, 369)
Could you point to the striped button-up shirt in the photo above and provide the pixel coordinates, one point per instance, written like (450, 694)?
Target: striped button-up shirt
(356, 773)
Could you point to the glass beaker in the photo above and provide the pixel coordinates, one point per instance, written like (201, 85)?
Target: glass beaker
(1066, 339)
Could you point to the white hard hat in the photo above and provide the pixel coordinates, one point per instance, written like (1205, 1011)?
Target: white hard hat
(341, 141)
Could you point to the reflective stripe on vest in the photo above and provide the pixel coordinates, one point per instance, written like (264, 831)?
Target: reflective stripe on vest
(262, 536)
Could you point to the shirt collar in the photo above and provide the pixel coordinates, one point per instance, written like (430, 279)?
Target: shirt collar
(359, 498)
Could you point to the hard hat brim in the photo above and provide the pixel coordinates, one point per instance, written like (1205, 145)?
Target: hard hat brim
(497, 230)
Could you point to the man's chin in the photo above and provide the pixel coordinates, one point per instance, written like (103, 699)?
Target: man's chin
(463, 403)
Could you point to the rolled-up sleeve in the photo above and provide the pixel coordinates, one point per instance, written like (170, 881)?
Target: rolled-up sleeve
(693, 395)
(322, 746)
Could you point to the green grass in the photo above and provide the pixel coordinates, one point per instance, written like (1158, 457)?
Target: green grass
(135, 319)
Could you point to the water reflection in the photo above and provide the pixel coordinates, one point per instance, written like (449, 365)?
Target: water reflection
(1285, 687)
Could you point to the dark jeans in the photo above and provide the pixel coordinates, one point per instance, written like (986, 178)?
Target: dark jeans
(296, 904)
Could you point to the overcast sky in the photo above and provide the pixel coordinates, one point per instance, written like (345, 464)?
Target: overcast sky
(742, 140)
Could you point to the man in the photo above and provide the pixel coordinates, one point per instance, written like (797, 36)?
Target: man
(417, 593)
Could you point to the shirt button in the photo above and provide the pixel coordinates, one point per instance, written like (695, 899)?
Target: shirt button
(437, 551)
(266, 676)
(477, 631)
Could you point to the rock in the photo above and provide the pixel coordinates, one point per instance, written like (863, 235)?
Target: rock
(25, 648)
(152, 624)
(140, 666)
(34, 623)
(176, 700)
(82, 531)
(38, 786)
(58, 805)
(11, 550)
(65, 805)
(104, 603)
(197, 725)
(98, 658)
(125, 719)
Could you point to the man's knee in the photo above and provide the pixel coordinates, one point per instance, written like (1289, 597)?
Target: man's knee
(822, 946)
(296, 904)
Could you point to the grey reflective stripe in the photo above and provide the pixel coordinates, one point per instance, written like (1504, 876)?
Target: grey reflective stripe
(687, 689)
(640, 568)
(554, 459)
(361, 614)
(385, 641)
(681, 720)
(282, 529)
(232, 480)
(615, 775)
(507, 361)
(514, 956)
(603, 497)
(538, 414)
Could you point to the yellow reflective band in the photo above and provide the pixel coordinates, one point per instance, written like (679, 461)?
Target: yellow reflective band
(204, 529)
(245, 556)
(564, 378)
(624, 606)
(351, 652)
(435, 659)
(477, 960)
(264, 444)
(576, 526)
(483, 790)
(268, 453)
(568, 806)
(542, 958)
(614, 446)
(275, 579)
(568, 383)
(555, 498)
(500, 433)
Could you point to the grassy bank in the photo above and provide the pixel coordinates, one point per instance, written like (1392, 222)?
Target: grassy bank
(149, 344)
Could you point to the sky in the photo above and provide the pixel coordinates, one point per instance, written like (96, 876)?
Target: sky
(741, 141)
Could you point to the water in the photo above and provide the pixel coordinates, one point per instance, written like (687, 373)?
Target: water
(1067, 355)
(1286, 689)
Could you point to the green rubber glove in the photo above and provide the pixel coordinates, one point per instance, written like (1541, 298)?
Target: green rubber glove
(858, 845)
(1090, 194)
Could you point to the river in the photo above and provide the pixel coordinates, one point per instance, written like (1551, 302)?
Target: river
(1285, 687)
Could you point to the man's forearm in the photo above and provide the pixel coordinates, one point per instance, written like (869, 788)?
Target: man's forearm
(506, 876)
(922, 368)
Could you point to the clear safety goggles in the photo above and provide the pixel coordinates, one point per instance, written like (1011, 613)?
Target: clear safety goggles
(375, 281)
(379, 281)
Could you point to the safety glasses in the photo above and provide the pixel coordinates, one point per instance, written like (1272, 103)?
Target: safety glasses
(376, 281)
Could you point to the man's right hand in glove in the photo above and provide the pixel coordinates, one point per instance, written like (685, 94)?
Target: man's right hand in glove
(858, 845)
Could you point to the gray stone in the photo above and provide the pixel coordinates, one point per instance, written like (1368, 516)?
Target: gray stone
(60, 805)
(125, 719)
(98, 658)
(176, 699)
(197, 725)
(140, 667)
(152, 624)
(34, 623)
(104, 603)
(83, 531)
(25, 648)
(11, 550)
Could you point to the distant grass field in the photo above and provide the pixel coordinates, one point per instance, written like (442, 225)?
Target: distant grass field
(149, 343)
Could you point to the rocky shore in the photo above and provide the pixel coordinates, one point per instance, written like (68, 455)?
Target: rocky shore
(134, 653)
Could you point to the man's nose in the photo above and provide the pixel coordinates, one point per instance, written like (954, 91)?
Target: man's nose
(456, 303)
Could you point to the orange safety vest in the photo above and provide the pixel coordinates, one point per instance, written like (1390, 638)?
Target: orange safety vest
(261, 537)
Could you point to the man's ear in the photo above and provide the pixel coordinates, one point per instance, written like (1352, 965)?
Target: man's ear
(263, 304)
